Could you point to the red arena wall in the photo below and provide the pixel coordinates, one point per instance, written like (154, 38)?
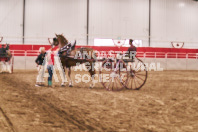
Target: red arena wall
(108, 48)
(146, 52)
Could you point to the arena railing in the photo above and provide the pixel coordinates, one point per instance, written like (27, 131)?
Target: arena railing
(24, 53)
(139, 54)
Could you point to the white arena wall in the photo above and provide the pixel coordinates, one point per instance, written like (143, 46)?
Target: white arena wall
(28, 63)
(167, 58)
(171, 20)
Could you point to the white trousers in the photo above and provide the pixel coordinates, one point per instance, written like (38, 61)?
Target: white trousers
(5, 67)
(40, 76)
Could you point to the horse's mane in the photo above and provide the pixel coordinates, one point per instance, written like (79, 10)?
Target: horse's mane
(63, 39)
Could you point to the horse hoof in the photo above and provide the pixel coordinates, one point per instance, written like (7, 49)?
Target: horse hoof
(70, 85)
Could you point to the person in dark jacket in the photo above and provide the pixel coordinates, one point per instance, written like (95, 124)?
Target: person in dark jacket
(131, 50)
(3, 50)
(7, 47)
(40, 61)
(40, 58)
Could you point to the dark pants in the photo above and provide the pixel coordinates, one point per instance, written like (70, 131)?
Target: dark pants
(50, 71)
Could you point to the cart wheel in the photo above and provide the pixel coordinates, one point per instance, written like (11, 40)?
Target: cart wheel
(112, 78)
(137, 75)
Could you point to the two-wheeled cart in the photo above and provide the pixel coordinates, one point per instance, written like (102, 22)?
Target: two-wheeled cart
(123, 73)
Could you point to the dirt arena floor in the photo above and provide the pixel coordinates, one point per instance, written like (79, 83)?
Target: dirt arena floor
(168, 102)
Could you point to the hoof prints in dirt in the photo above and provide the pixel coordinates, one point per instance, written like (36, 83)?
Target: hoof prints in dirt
(54, 113)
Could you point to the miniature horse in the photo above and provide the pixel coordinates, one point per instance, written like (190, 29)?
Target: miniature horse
(68, 58)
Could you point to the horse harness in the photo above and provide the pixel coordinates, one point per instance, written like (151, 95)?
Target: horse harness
(67, 48)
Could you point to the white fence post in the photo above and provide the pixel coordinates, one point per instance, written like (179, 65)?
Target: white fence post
(25, 59)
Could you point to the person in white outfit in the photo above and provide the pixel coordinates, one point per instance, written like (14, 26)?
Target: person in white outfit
(40, 61)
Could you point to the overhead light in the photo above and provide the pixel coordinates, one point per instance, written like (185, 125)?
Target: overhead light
(181, 4)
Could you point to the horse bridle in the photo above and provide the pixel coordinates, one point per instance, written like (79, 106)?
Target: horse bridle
(63, 49)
